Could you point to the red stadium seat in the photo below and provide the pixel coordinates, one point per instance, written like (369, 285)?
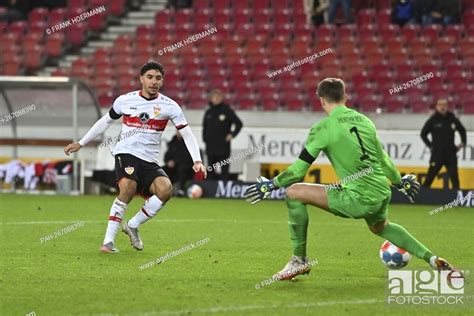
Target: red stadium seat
(261, 6)
(76, 34)
(221, 6)
(281, 5)
(19, 28)
(384, 17)
(432, 31)
(366, 16)
(97, 22)
(347, 31)
(57, 15)
(369, 104)
(457, 31)
(116, 7)
(200, 4)
(183, 16)
(202, 19)
(55, 45)
(468, 17)
(410, 32)
(246, 104)
(393, 106)
(294, 104)
(272, 104)
(38, 14)
(468, 108)
(326, 30)
(421, 107)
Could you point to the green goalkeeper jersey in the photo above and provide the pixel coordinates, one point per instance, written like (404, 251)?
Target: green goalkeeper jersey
(349, 140)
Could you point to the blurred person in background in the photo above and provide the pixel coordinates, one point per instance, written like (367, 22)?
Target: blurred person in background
(346, 8)
(179, 4)
(220, 126)
(178, 163)
(446, 12)
(16, 10)
(402, 12)
(422, 10)
(442, 126)
(316, 11)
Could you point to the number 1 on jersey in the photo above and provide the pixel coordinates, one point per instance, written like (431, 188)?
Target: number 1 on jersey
(364, 154)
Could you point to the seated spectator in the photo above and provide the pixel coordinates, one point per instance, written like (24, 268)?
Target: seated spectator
(422, 10)
(446, 11)
(402, 12)
(16, 10)
(346, 8)
(316, 11)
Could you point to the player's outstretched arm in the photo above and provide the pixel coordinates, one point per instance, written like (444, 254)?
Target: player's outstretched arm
(262, 189)
(407, 185)
(97, 129)
(193, 149)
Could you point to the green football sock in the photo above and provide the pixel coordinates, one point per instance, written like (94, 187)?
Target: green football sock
(298, 224)
(400, 237)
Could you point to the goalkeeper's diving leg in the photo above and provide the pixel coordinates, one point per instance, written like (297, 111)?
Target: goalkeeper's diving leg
(300, 194)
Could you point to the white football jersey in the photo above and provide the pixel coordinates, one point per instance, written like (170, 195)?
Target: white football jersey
(143, 123)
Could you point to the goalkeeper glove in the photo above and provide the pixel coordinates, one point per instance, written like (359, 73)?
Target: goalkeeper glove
(409, 186)
(259, 191)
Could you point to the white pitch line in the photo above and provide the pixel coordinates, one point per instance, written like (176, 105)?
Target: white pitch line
(258, 307)
(211, 220)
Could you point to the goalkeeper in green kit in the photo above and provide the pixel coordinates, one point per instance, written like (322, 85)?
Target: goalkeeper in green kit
(350, 141)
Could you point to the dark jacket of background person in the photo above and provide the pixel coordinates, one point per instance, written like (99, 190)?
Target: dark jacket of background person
(180, 170)
(218, 121)
(442, 129)
(443, 150)
(402, 12)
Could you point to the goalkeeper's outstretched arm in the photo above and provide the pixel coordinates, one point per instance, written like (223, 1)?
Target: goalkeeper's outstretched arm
(315, 142)
(295, 172)
(387, 165)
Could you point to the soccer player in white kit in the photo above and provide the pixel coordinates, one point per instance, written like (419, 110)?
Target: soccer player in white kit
(136, 154)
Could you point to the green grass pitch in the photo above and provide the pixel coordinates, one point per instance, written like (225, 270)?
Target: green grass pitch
(247, 244)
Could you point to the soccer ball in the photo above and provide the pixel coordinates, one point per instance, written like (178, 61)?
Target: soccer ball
(194, 191)
(393, 257)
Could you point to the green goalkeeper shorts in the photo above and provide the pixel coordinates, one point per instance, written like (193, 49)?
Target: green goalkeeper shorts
(349, 204)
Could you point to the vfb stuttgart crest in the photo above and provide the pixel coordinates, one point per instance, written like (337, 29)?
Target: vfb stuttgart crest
(129, 170)
(156, 110)
(144, 117)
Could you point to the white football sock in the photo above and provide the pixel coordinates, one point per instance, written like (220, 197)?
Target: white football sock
(117, 211)
(147, 212)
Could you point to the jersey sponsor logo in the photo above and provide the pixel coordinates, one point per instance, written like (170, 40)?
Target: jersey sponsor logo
(144, 117)
(153, 124)
(129, 170)
(221, 117)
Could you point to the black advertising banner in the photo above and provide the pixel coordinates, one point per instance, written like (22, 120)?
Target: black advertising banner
(236, 189)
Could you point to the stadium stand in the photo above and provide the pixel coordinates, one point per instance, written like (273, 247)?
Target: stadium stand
(253, 39)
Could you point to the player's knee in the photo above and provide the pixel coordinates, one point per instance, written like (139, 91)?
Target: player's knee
(292, 191)
(378, 228)
(164, 191)
(127, 189)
